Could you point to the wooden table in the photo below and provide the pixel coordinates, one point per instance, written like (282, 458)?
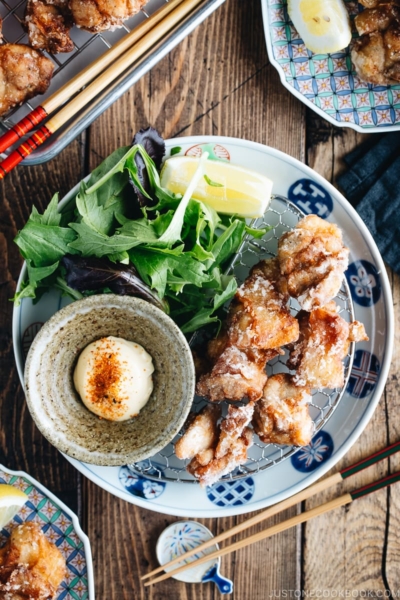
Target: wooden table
(217, 81)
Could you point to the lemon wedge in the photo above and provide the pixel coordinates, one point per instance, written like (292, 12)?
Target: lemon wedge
(227, 188)
(324, 25)
(11, 500)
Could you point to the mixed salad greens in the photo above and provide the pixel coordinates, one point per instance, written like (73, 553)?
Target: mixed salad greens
(125, 234)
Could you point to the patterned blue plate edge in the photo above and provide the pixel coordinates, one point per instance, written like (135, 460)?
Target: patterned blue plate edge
(292, 90)
(75, 521)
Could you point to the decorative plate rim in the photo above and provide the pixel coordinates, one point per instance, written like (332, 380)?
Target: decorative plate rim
(75, 521)
(301, 97)
(375, 397)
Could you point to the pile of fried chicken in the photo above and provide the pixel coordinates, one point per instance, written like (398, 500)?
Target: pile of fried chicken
(31, 567)
(24, 70)
(309, 267)
(376, 54)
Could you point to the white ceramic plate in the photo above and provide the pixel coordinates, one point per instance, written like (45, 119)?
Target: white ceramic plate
(327, 83)
(372, 300)
(61, 526)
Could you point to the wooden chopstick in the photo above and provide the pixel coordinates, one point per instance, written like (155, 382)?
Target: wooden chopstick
(54, 101)
(297, 520)
(147, 41)
(288, 503)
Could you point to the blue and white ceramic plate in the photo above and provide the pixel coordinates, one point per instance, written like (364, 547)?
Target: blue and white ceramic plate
(327, 83)
(61, 527)
(372, 300)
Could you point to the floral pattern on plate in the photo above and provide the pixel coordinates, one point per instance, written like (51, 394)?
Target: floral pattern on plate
(140, 486)
(327, 83)
(317, 452)
(59, 527)
(364, 282)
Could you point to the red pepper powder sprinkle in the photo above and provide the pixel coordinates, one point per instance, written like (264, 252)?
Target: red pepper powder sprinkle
(106, 374)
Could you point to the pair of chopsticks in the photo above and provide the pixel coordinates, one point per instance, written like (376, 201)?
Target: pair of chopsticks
(101, 72)
(273, 510)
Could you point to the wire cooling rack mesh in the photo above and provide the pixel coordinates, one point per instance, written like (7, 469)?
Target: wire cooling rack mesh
(87, 47)
(282, 216)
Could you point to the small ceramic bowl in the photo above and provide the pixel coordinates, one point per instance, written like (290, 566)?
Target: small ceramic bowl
(57, 408)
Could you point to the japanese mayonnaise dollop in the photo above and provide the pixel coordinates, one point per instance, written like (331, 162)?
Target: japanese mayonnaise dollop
(114, 378)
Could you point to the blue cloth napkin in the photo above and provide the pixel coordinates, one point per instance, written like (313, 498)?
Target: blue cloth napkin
(372, 186)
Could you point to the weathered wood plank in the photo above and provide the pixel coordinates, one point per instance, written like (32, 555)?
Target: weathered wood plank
(21, 444)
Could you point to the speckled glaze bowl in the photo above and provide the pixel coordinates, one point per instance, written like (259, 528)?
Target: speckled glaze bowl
(57, 408)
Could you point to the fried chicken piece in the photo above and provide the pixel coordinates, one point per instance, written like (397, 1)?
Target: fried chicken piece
(231, 451)
(368, 56)
(48, 23)
(201, 432)
(259, 317)
(374, 3)
(376, 19)
(282, 415)
(258, 323)
(31, 567)
(99, 15)
(313, 259)
(236, 374)
(376, 55)
(323, 343)
(24, 72)
(391, 41)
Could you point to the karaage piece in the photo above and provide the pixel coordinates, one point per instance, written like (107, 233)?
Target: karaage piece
(24, 72)
(201, 432)
(258, 323)
(282, 415)
(313, 259)
(376, 54)
(31, 567)
(322, 345)
(368, 56)
(377, 19)
(99, 15)
(231, 450)
(236, 374)
(49, 23)
(259, 316)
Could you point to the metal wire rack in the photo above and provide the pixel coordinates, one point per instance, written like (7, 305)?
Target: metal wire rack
(87, 48)
(282, 216)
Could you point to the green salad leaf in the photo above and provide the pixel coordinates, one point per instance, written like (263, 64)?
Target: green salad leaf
(179, 246)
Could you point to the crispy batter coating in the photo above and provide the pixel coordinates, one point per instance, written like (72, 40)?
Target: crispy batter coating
(24, 72)
(323, 343)
(259, 317)
(201, 432)
(282, 415)
(376, 55)
(258, 323)
(31, 567)
(313, 259)
(99, 15)
(231, 450)
(376, 19)
(236, 374)
(49, 23)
